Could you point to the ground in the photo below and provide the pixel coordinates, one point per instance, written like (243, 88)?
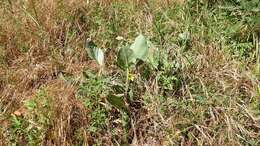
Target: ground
(204, 90)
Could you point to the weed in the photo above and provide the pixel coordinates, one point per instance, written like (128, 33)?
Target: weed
(30, 124)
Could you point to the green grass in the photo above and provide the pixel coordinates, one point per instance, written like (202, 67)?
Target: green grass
(204, 90)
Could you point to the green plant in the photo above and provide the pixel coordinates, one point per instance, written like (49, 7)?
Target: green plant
(118, 93)
(35, 121)
(91, 93)
(127, 58)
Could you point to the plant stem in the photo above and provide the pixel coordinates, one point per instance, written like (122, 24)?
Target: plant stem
(127, 82)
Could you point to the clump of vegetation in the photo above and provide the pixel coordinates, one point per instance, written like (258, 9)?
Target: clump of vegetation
(30, 123)
(174, 72)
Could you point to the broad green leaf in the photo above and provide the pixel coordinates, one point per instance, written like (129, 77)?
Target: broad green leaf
(118, 102)
(125, 58)
(95, 53)
(90, 47)
(99, 56)
(138, 50)
(140, 47)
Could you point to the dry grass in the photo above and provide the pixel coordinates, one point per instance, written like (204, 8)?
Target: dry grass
(217, 102)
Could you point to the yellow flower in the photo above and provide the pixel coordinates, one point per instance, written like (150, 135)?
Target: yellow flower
(131, 76)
